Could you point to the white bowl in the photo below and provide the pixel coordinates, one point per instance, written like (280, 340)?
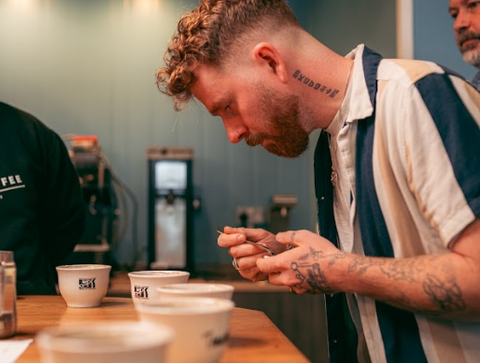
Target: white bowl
(201, 326)
(83, 285)
(105, 342)
(143, 284)
(200, 289)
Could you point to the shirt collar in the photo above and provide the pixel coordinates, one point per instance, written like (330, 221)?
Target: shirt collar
(356, 103)
(359, 105)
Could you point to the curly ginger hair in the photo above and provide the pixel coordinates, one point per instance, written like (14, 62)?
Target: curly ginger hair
(212, 34)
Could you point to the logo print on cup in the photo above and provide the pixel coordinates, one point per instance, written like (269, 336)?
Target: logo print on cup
(140, 292)
(86, 283)
(216, 341)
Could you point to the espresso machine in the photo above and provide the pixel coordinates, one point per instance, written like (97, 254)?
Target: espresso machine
(170, 200)
(101, 232)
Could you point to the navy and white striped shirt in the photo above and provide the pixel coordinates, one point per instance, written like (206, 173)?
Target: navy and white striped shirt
(408, 167)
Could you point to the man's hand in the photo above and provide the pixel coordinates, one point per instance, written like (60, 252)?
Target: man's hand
(246, 255)
(442, 285)
(300, 268)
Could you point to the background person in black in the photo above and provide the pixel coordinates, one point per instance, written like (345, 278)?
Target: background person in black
(41, 206)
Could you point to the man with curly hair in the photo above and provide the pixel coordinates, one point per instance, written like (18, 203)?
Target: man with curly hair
(397, 176)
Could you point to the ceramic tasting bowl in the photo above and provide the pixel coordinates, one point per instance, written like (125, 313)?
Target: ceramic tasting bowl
(83, 285)
(105, 342)
(200, 289)
(201, 326)
(144, 284)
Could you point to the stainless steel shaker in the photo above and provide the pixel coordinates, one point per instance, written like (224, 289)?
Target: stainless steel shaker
(8, 295)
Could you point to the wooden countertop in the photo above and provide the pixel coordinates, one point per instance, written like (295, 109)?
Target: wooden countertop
(253, 337)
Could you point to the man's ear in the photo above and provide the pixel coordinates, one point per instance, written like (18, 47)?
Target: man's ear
(265, 54)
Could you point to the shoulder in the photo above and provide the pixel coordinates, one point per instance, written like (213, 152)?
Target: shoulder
(23, 124)
(425, 87)
(410, 72)
(24, 134)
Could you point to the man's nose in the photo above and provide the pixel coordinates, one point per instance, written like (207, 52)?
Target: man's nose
(235, 133)
(462, 21)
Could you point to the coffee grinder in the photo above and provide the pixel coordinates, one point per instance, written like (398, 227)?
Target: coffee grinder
(170, 200)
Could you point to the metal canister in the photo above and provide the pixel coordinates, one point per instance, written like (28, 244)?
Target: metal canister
(8, 295)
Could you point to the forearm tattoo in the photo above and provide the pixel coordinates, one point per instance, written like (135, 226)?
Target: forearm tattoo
(299, 76)
(443, 292)
(441, 288)
(396, 270)
(446, 294)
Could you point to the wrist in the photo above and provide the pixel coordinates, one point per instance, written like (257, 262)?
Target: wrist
(336, 270)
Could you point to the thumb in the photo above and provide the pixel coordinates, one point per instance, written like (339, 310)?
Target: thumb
(286, 238)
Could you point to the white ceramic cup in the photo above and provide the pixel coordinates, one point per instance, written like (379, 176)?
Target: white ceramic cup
(105, 342)
(200, 289)
(201, 326)
(83, 285)
(143, 284)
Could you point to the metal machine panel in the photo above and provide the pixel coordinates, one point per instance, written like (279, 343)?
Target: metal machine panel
(170, 208)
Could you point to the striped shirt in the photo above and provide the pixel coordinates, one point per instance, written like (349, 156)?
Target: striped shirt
(408, 183)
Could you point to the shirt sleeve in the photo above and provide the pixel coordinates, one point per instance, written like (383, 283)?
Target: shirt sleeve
(442, 152)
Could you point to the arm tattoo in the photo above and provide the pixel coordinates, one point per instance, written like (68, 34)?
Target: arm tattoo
(399, 271)
(299, 76)
(332, 259)
(360, 265)
(446, 294)
(396, 270)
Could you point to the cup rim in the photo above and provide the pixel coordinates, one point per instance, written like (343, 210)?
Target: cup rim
(82, 266)
(156, 306)
(189, 288)
(162, 334)
(150, 274)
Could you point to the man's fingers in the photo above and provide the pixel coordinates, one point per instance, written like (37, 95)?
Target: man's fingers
(268, 264)
(228, 240)
(229, 230)
(247, 262)
(288, 237)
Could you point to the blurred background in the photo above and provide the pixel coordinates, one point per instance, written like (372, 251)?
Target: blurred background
(86, 68)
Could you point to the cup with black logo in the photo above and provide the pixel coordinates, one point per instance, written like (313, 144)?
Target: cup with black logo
(83, 285)
(144, 284)
(201, 326)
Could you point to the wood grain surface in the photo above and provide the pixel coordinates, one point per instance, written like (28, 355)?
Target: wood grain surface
(253, 337)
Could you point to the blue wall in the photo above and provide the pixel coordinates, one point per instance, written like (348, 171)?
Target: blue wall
(434, 37)
(87, 67)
